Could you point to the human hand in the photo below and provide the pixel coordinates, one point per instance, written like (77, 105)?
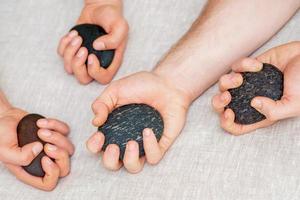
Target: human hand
(287, 59)
(109, 16)
(147, 88)
(14, 157)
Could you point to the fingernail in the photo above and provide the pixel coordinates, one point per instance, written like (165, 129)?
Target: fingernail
(75, 41)
(99, 45)
(147, 132)
(80, 53)
(72, 34)
(46, 133)
(49, 161)
(236, 79)
(42, 122)
(51, 147)
(36, 149)
(131, 146)
(223, 97)
(112, 150)
(90, 60)
(256, 103)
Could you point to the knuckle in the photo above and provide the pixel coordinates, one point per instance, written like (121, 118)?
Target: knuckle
(222, 80)
(153, 161)
(64, 173)
(26, 159)
(83, 81)
(111, 167)
(244, 62)
(49, 187)
(235, 133)
(114, 42)
(134, 170)
(125, 25)
(270, 115)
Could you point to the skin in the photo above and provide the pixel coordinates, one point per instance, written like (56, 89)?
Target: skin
(287, 59)
(188, 69)
(13, 157)
(107, 14)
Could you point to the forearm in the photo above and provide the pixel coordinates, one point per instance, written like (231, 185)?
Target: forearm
(4, 104)
(225, 31)
(114, 2)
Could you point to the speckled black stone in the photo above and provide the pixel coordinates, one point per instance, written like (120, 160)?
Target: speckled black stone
(27, 133)
(89, 33)
(128, 122)
(268, 83)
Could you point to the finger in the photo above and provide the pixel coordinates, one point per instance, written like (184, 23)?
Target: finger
(79, 66)
(20, 156)
(281, 56)
(71, 50)
(247, 65)
(172, 128)
(64, 42)
(101, 74)
(228, 124)
(152, 150)
(57, 139)
(114, 38)
(61, 158)
(95, 142)
(110, 158)
(131, 160)
(275, 110)
(220, 101)
(47, 183)
(54, 124)
(229, 81)
(104, 105)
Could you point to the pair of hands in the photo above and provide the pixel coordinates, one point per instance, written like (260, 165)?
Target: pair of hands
(150, 88)
(110, 17)
(143, 87)
(287, 58)
(58, 147)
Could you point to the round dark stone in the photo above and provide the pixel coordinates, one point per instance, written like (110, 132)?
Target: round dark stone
(267, 83)
(27, 133)
(128, 122)
(89, 33)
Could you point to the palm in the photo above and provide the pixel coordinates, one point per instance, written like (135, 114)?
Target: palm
(100, 15)
(145, 87)
(8, 127)
(287, 59)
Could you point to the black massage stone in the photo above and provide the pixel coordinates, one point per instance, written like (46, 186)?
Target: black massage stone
(27, 133)
(127, 123)
(267, 83)
(89, 33)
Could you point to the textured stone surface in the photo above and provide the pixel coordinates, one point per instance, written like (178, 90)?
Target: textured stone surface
(268, 83)
(27, 133)
(127, 123)
(89, 33)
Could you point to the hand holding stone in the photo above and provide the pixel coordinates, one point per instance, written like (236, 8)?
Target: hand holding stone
(286, 58)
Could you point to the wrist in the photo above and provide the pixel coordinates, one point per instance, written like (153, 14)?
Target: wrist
(4, 104)
(104, 2)
(173, 79)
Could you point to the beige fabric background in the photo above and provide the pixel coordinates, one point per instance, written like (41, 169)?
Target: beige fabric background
(204, 162)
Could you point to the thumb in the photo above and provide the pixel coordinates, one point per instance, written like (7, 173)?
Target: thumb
(274, 110)
(113, 39)
(21, 155)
